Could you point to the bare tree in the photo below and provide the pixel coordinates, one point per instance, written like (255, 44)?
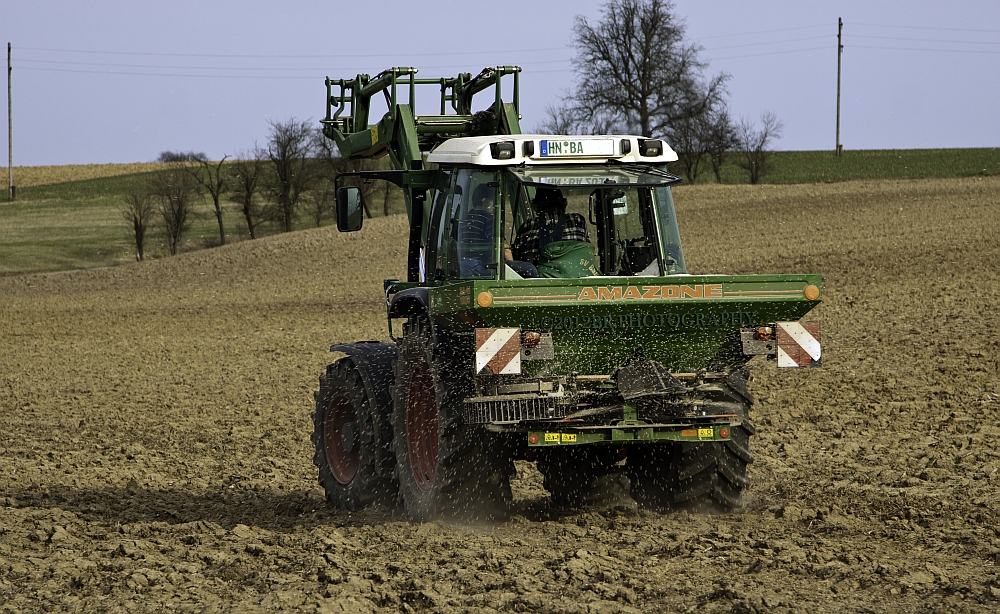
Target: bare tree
(386, 198)
(755, 145)
(213, 177)
(247, 171)
(289, 148)
(334, 164)
(690, 144)
(176, 192)
(138, 212)
(320, 202)
(721, 140)
(559, 120)
(710, 135)
(635, 72)
(368, 187)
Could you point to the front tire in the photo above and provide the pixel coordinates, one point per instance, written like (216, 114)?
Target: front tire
(344, 438)
(445, 468)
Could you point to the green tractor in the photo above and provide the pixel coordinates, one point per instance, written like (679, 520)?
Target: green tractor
(546, 314)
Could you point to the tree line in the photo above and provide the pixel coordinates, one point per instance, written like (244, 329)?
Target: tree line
(271, 185)
(636, 74)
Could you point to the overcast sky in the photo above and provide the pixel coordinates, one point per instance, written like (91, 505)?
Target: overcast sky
(107, 81)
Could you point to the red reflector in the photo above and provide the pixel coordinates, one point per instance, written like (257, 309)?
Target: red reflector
(724, 433)
(533, 438)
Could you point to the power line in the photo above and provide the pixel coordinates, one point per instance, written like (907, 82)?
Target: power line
(152, 74)
(925, 40)
(754, 55)
(258, 68)
(788, 40)
(925, 49)
(317, 75)
(318, 71)
(761, 32)
(873, 25)
(309, 56)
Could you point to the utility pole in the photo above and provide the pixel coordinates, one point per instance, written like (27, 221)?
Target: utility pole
(10, 135)
(840, 52)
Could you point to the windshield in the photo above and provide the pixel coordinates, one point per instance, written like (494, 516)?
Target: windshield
(585, 221)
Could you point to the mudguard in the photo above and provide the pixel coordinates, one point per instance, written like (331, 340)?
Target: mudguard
(409, 302)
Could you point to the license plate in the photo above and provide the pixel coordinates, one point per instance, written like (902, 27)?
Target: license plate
(551, 148)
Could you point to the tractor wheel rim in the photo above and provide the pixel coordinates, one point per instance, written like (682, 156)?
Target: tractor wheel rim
(343, 462)
(422, 425)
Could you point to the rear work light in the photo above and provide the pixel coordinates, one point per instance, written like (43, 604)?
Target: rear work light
(650, 148)
(504, 150)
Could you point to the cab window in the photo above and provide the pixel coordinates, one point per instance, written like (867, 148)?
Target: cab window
(465, 245)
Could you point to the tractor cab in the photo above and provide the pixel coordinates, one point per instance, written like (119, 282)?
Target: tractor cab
(544, 206)
(540, 206)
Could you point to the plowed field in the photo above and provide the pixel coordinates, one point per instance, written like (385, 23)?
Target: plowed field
(154, 433)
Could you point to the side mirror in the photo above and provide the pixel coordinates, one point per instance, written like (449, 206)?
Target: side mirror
(350, 209)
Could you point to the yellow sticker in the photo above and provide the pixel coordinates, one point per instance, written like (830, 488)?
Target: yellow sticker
(569, 437)
(702, 433)
(552, 437)
(374, 134)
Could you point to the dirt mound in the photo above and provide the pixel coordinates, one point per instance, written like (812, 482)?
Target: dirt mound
(154, 427)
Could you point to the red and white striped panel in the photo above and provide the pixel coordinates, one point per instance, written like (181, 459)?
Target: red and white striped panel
(499, 350)
(798, 344)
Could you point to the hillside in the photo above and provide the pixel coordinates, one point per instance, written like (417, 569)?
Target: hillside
(68, 218)
(33, 176)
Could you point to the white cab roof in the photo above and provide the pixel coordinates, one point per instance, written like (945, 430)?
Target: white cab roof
(547, 149)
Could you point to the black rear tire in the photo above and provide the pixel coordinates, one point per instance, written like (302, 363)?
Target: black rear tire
(696, 476)
(344, 438)
(445, 468)
(693, 476)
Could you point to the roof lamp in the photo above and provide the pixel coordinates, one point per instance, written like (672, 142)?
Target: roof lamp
(504, 150)
(650, 148)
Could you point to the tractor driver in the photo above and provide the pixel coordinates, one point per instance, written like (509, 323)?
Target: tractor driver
(557, 243)
(477, 225)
